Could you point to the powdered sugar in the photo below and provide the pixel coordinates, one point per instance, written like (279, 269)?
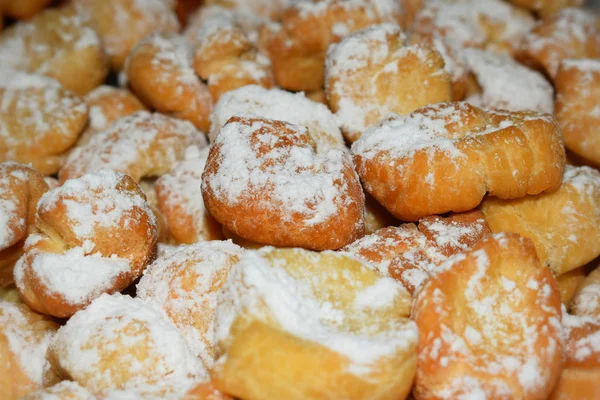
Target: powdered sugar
(584, 179)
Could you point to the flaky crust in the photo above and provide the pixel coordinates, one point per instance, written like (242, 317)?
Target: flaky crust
(489, 323)
(412, 164)
(564, 225)
(290, 194)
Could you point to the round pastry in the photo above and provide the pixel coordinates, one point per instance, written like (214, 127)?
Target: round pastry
(571, 33)
(410, 254)
(159, 70)
(59, 43)
(123, 23)
(65, 390)
(119, 342)
(280, 105)
(547, 7)
(20, 189)
(185, 284)
(24, 339)
(569, 282)
(508, 85)
(587, 299)
(179, 194)
(40, 120)
(23, 9)
(140, 145)
(96, 235)
(265, 181)
(411, 164)
(564, 225)
(284, 312)
(298, 45)
(489, 324)
(373, 73)
(577, 106)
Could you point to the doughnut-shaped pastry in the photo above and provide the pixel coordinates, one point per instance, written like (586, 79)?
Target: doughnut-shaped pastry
(119, 342)
(123, 23)
(24, 339)
(280, 105)
(571, 33)
(564, 225)
(40, 121)
(140, 145)
(65, 390)
(265, 181)
(587, 299)
(297, 46)
(411, 164)
(489, 325)
(224, 56)
(411, 253)
(23, 9)
(547, 7)
(491, 24)
(59, 43)
(159, 70)
(20, 189)
(505, 84)
(185, 284)
(284, 312)
(373, 73)
(569, 282)
(179, 194)
(96, 235)
(577, 106)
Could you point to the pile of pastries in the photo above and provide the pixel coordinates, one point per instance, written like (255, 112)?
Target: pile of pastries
(299, 199)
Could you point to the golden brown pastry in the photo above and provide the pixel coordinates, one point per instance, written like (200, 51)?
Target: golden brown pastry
(59, 43)
(40, 121)
(284, 312)
(412, 164)
(20, 189)
(95, 234)
(141, 145)
(489, 325)
(587, 298)
(578, 106)
(564, 225)
(569, 282)
(267, 181)
(24, 339)
(373, 73)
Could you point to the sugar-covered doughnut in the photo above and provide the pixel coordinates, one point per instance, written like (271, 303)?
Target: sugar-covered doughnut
(587, 299)
(412, 164)
(284, 312)
(65, 390)
(96, 235)
(564, 225)
(267, 181)
(373, 73)
(489, 324)
(141, 145)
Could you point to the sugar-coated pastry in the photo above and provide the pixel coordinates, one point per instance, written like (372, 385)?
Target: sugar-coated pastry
(411, 253)
(373, 72)
(23, 9)
(298, 45)
(65, 390)
(206, 391)
(123, 23)
(587, 299)
(185, 284)
(489, 325)
(119, 342)
(412, 164)
(578, 106)
(564, 225)
(240, 241)
(267, 181)
(159, 70)
(269, 9)
(569, 282)
(493, 24)
(141, 145)
(179, 195)
(547, 7)
(59, 43)
(570, 33)
(24, 339)
(20, 189)
(40, 120)
(96, 234)
(224, 56)
(280, 105)
(284, 312)
(508, 85)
